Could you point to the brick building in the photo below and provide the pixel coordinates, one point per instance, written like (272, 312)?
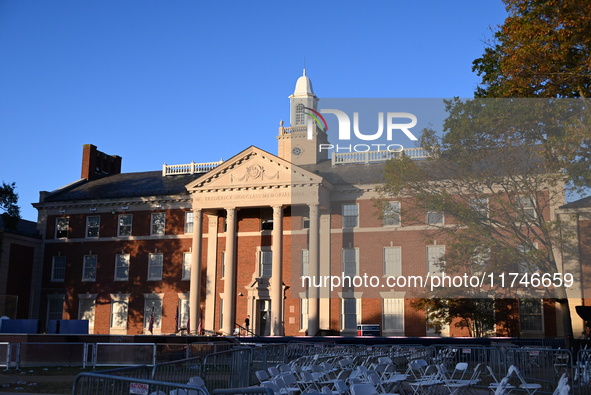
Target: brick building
(202, 246)
(21, 252)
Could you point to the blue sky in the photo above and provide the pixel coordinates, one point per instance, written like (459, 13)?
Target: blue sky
(177, 81)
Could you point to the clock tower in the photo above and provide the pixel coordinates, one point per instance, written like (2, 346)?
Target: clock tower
(295, 143)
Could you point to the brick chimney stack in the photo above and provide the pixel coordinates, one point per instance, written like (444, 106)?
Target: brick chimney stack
(97, 164)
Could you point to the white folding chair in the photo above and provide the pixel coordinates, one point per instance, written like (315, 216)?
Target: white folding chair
(531, 388)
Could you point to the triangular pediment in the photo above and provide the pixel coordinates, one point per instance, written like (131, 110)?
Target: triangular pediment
(254, 168)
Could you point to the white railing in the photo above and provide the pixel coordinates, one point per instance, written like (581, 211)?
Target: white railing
(376, 156)
(293, 129)
(190, 168)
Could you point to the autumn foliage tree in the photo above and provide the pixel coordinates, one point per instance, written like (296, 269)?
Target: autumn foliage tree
(543, 49)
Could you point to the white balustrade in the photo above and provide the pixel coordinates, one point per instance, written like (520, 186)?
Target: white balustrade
(341, 158)
(189, 168)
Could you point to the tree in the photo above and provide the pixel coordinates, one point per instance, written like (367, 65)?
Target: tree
(543, 49)
(8, 205)
(494, 176)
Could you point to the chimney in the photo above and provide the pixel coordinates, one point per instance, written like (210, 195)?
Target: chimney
(97, 164)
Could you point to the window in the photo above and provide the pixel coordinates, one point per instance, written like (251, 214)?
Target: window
(182, 316)
(155, 263)
(350, 215)
(92, 226)
(158, 222)
(480, 206)
(266, 219)
(55, 307)
(434, 218)
(119, 310)
(434, 255)
(89, 268)
(525, 264)
(530, 315)
(305, 262)
(306, 223)
(393, 314)
(189, 215)
(265, 263)
(58, 268)
(125, 225)
(392, 214)
(152, 307)
(221, 313)
(121, 267)
(223, 264)
(61, 227)
(300, 115)
(350, 259)
(480, 257)
(392, 261)
(86, 309)
(187, 265)
(527, 206)
(304, 310)
(350, 313)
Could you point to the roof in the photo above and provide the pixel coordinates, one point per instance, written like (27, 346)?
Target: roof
(352, 173)
(581, 203)
(149, 183)
(23, 227)
(303, 86)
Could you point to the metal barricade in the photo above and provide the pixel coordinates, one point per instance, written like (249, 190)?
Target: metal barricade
(95, 383)
(178, 371)
(201, 349)
(171, 352)
(52, 354)
(541, 365)
(248, 391)
(10, 355)
(582, 372)
(113, 354)
(139, 372)
(228, 369)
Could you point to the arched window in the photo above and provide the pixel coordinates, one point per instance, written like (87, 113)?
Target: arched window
(300, 118)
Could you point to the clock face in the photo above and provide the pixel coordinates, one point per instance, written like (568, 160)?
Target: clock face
(296, 151)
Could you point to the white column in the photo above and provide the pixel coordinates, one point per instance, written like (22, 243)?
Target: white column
(314, 270)
(195, 287)
(229, 294)
(210, 280)
(277, 273)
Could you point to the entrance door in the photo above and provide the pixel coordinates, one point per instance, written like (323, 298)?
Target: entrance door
(263, 317)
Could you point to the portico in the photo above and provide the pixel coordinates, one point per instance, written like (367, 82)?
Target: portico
(252, 179)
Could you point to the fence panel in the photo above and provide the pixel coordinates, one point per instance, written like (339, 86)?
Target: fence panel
(582, 372)
(228, 369)
(113, 354)
(10, 355)
(138, 372)
(52, 354)
(202, 349)
(178, 371)
(247, 391)
(171, 352)
(95, 383)
(541, 365)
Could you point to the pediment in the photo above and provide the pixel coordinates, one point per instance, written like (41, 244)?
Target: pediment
(254, 168)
